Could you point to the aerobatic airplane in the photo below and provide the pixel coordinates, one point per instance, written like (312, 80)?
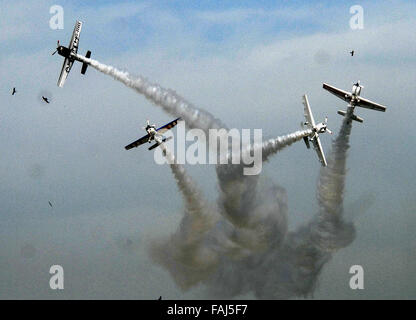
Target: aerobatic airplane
(153, 134)
(316, 130)
(70, 54)
(354, 100)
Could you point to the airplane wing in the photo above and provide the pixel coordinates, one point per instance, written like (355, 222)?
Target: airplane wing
(318, 148)
(168, 126)
(364, 103)
(66, 67)
(73, 45)
(138, 142)
(344, 95)
(308, 113)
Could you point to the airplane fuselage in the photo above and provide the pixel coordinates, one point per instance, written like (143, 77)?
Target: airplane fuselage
(355, 95)
(151, 130)
(320, 128)
(67, 53)
(356, 89)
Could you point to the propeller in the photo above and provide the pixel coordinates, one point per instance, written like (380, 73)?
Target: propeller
(148, 125)
(56, 48)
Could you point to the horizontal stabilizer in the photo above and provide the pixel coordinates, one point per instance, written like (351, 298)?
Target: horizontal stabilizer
(158, 144)
(154, 146)
(353, 116)
(85, 65)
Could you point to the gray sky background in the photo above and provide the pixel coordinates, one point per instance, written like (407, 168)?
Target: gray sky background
(247, 64)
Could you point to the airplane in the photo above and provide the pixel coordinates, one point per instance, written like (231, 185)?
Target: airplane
(70, 54)
(45, 99)
(14, 91)
(153, 134)
(352, 53)
(354, 100)
(316, 130)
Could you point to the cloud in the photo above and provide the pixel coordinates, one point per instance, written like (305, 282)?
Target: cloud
(251, 79)
(239, 15)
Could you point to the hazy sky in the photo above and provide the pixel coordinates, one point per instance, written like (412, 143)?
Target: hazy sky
(246, 62)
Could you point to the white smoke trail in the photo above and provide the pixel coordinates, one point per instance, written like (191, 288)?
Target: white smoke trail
(235, 255)
(232, 181)
(183, 254)
(190, 192)
(267, 148)
(298, 260)
(176, 105)
(331, 231)
(332, 178)
(169, 100)
(272, 146)
(257, 217)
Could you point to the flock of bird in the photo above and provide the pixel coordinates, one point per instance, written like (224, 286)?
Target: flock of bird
(14, 91)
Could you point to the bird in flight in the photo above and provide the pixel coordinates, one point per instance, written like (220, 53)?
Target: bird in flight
(352, 53)
(14, 91)
(45, 99)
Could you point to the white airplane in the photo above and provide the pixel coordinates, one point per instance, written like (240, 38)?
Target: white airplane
(316, 130)
(70, 54)
(153, 134)
(354, 100)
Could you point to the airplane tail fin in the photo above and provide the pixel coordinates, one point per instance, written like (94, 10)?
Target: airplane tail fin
(85, 65)
(306, 142)
(353, 116)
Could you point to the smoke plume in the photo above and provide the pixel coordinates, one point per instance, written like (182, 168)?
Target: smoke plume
(183, 254)
(168, 99)
(242, 244)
